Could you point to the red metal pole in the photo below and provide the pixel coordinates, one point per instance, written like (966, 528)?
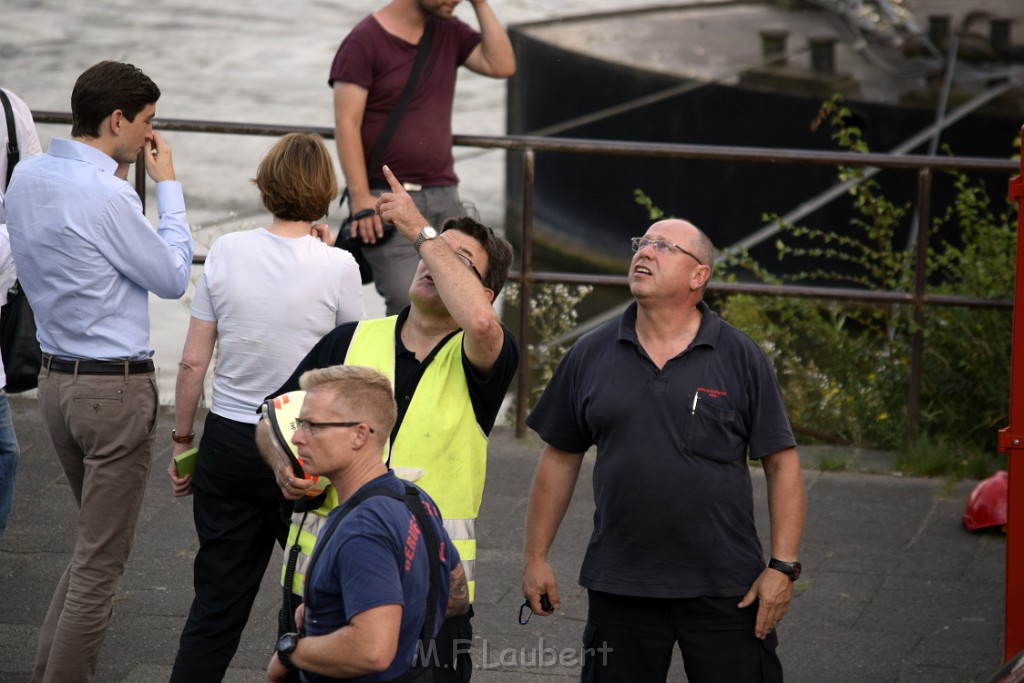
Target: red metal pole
(1011, 441)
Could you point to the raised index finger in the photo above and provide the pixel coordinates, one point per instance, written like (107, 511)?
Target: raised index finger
(392, 180)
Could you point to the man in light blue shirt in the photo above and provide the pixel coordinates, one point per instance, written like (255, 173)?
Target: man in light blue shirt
(87, 258)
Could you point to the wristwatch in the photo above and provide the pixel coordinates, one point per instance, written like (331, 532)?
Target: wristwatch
(790, 569)
(286, 645)
(188, 438)
(427, 233)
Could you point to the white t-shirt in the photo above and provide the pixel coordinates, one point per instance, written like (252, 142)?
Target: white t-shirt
(28, 140)
(272, 298)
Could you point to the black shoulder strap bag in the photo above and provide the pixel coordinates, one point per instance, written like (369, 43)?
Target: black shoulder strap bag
(18, 344)
(354, 245)
(13, 153)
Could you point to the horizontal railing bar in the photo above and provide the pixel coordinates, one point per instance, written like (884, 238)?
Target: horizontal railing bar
(750, 154)
(798, 291)
(618, 148)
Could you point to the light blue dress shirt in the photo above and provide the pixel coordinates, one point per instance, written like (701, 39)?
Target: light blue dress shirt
(87, 256)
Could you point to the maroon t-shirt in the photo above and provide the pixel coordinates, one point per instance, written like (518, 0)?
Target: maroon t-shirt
(420, 150)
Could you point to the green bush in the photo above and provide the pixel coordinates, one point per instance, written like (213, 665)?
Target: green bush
(553, 313)
(845, 366)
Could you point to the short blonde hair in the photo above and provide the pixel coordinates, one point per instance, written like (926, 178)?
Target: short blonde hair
(357, 387)
(296, 178)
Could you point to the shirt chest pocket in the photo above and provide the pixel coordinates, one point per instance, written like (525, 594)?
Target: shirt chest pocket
(714, 433)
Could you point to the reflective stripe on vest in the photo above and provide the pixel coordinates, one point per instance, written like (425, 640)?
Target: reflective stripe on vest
(439, 435)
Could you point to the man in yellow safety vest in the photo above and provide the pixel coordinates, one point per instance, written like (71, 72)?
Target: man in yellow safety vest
(451, 362)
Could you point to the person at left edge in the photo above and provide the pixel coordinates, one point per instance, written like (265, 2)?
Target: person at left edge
(9, 451)
(88, 258)
(27, 143)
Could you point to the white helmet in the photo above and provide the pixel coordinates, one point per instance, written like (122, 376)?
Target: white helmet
(282, 412)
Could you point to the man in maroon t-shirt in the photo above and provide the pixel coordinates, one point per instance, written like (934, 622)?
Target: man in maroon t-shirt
(369, 73)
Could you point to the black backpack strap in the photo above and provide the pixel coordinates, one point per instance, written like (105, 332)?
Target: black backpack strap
(13, 153)
(286, 619)
(287, 616)
(418, 507)
(350, 505)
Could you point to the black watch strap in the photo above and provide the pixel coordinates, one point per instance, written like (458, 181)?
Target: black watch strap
(790, 569)
(286, 645)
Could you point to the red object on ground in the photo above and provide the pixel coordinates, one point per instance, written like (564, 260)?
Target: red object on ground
(986, 506)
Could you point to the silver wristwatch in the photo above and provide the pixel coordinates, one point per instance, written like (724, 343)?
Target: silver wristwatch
(427, 233)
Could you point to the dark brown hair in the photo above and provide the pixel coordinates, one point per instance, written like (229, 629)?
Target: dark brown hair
(103, 89)
(499, 250)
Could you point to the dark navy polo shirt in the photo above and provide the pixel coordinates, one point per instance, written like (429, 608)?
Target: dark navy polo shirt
(674, 511)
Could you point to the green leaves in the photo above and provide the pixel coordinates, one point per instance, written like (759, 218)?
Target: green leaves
(844, 366)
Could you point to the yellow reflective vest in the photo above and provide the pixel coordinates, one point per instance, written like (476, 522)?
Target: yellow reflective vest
(440, 445)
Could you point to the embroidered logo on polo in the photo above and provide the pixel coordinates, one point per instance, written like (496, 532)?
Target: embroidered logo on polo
(711, 393)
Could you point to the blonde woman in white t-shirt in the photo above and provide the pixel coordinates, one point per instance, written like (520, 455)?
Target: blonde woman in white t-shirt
(265, 298)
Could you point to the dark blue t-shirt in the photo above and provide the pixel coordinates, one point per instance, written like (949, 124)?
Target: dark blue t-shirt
(365, 565)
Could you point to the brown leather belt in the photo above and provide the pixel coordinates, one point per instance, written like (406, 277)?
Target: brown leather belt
(98, 367)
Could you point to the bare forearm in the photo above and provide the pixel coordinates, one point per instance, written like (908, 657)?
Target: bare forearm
(195, 361)
(553, 484)
(353, 161)
(336, 655)
(268, 447)
(187, 390)
(458, 600)
(349, 108)
(366, 645)
(496, 56)
(786, 503)
(466, 301)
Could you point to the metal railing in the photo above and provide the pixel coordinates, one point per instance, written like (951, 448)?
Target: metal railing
(531, 146)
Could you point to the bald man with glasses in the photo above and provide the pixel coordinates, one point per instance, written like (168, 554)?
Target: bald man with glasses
(675, 400)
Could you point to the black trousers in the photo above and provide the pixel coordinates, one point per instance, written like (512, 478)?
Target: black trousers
(239, 515)
(630, 639)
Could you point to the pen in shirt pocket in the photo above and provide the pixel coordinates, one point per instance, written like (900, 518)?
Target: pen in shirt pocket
(693, 407)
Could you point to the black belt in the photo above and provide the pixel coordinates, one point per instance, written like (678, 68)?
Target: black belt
(98, 367)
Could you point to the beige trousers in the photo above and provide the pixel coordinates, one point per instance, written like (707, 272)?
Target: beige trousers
(102, 428)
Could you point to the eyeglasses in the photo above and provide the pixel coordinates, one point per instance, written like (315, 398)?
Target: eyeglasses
(311, 427)
(468, 262)
(663, 247)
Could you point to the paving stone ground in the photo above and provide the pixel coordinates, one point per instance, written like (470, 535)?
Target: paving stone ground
(894, 588)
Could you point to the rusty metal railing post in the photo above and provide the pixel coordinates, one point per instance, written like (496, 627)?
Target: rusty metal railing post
(1011, 441)
(525, 291)
(924, 196)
